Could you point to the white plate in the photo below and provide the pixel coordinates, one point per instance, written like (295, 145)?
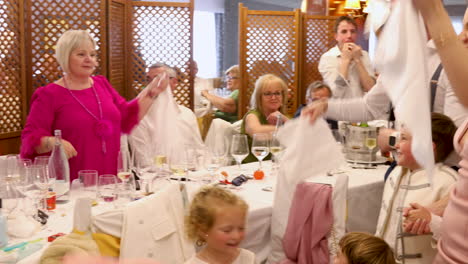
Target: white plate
(380, 160)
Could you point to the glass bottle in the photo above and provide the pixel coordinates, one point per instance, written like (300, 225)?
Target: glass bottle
(59, 169)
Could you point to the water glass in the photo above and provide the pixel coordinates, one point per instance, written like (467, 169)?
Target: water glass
(107, 187)
(89, 180)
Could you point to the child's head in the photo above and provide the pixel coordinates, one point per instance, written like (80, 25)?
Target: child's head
(217, 218)
(363, 248)
(443, 130)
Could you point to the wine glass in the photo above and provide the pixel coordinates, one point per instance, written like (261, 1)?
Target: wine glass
(239, 148)
(178, 162)
(275, 148)
(371, 143)
(260, 146)
(44, 161)
(123, 166)
(107, 187)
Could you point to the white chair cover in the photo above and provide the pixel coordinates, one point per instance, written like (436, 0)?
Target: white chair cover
(154, 228)
(311, 151)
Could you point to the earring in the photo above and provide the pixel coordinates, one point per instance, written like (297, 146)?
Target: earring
(200, 243)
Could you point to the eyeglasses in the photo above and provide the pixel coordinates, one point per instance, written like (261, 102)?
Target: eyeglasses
(231, 78)
(270, 94)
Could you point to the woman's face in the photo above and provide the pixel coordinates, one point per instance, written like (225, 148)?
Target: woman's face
(83, 60)
(272, 97)
(232, 81)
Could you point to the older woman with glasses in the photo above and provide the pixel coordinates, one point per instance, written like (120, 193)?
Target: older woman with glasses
(267, 106)
(227, 107)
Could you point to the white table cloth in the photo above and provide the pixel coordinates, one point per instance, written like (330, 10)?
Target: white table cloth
(364, 196)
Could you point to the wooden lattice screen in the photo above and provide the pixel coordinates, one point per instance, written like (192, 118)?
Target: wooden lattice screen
(118, 47)
(286, 43)
(318, 38)
(269, 43)
(47, 20)
(12, 103)
(162, 32)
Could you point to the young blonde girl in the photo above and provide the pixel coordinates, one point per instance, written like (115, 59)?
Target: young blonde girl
(363, 248)
(217, 221)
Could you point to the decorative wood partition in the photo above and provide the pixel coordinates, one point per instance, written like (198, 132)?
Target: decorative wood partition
(29, 30)
(286, 43)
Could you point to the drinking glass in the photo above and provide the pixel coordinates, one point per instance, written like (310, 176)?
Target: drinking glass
(107, 187)
(260, 146)
(89, 180)
(371, 143)
(239, 148)
(276, 148)
(123, 166)
(12, 167)
(44, 161)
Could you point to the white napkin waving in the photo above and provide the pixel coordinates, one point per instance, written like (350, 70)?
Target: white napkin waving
(311, 150)
(402, 62)
(166, 132)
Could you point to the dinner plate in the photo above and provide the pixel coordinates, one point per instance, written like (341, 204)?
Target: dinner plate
(379, 160)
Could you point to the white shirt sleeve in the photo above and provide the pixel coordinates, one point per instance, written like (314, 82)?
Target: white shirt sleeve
(435, 226)
(374, 105)
(452, 106)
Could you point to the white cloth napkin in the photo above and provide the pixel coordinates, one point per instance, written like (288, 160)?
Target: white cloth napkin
(402, 62)
(311, 150)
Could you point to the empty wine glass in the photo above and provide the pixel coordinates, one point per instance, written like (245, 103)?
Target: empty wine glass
(260, 146)
(44, 161)
(89, 180)
(107, 187)
(239, 148)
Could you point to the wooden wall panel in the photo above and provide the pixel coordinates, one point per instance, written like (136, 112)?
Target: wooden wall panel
(269, 43)
(162, 32)
(117, 29)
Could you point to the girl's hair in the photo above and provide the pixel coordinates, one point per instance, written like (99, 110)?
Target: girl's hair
(205, 204)
(363, 248)
(69, 41)
(260, 84)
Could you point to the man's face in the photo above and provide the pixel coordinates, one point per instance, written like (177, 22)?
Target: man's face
(346, 33)
(152, 73)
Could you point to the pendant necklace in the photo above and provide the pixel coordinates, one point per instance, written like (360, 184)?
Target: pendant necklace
(103, 127)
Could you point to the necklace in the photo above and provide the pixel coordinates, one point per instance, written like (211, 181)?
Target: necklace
(103, 128)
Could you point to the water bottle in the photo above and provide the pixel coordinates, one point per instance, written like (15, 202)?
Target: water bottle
(3, 229)
(58, 168)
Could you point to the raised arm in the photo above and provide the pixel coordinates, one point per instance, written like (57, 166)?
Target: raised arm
(227, 105)
(453, 55)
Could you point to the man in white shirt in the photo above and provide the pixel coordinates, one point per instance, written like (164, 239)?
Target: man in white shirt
(143, 139)
(346, 68)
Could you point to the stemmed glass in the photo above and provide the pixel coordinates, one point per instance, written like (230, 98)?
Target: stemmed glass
(239, 148)
(123, 166)
(215, 156)
(34, 184)
(44, 161)
(275, 148)
(260, 146)
(371, 142)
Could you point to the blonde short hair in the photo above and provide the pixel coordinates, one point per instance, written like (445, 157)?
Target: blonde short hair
(233, 70)
(203, 209)
(69, 41)
(360, 248)
(260, 84)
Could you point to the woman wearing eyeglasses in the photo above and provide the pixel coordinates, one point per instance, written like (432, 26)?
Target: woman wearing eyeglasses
(267, 104)
(227, 107)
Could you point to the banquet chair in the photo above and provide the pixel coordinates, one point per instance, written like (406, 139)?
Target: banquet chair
(155, 223)
(309, 223)
(222, 129)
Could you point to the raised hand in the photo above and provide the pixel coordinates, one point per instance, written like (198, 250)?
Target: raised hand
(158, 85)
(315, 109)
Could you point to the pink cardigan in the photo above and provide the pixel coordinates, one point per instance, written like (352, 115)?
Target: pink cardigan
(52, 107)
(310, 221)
